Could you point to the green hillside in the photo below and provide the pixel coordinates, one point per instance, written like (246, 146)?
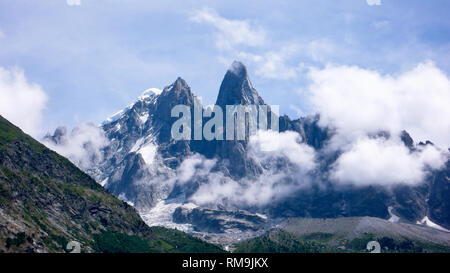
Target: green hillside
(46, 201)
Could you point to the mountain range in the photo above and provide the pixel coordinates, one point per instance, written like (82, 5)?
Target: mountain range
(229, 190)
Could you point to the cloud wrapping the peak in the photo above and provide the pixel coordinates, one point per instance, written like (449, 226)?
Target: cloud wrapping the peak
(230, 33)
(21, 102)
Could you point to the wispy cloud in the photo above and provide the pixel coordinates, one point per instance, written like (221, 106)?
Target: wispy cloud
(273, 64)
(278, 64)
(235, 37)
(230, 33)
(381, 24)
(73, 2)
(373, 2)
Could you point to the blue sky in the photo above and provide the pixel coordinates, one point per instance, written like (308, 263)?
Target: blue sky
(94, 57)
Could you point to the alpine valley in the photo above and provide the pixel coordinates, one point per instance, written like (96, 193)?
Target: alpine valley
(246, 195)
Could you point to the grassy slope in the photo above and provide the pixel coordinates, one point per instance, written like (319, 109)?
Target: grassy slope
(46, 201)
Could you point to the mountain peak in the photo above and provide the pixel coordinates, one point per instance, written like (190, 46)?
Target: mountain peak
(179, 83)
(236, 87)
(238, 69)
(179, 86)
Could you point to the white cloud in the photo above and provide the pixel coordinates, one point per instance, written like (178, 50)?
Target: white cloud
(230, 33)
(373, 2)
(357, 101)
(195, 165)
(73, 2)
(82, 146)
(21, 102)
(269, 145)
(385, 162)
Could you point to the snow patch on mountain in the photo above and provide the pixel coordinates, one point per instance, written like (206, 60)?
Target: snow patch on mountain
(117, 115)
(144, 117)
(150, 92)
(161, 215)
(117, 127)
(148, 153)
(104, 182)
(146, 148)
(394, 218)
(427, 222)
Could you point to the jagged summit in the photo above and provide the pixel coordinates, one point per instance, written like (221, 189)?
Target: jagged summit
(178, 84)
(178, 92)
(236, 87)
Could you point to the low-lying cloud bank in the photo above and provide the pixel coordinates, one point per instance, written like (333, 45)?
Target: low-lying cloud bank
(291, 166)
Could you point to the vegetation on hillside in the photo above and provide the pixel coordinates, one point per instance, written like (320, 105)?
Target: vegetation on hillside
(46, 201)
(279, 241)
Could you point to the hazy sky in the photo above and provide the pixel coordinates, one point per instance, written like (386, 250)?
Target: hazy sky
(82, 60)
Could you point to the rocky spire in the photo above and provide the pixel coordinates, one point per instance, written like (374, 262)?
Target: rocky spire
(236, 88)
